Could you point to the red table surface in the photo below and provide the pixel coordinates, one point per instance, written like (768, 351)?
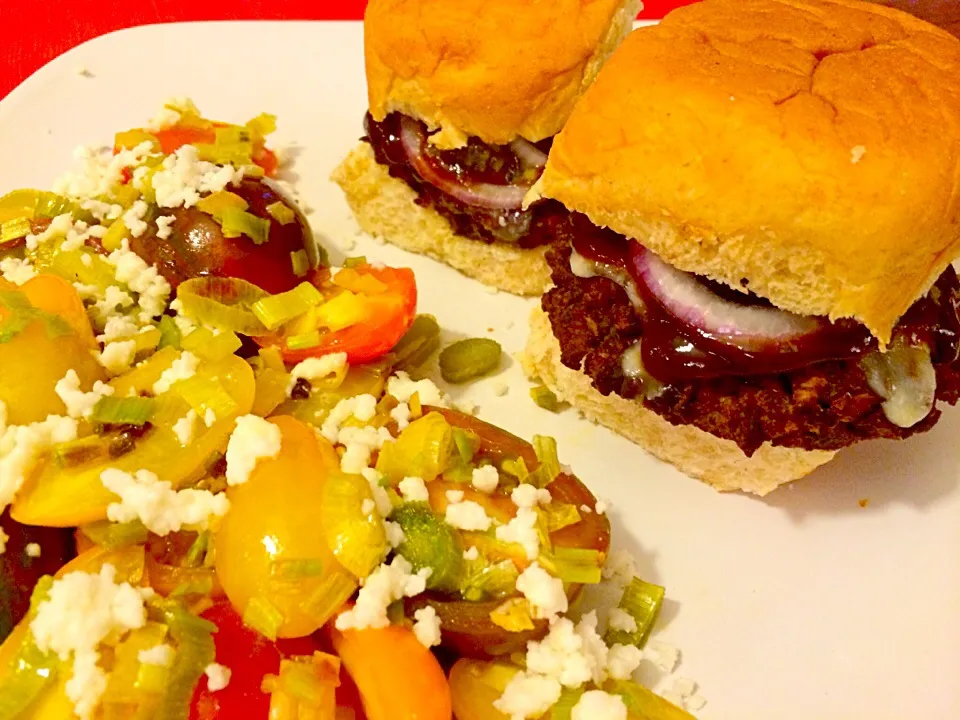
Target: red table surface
(36, 32)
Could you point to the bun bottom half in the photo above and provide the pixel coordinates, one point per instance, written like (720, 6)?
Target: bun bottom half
(715, 461)
(385, 207)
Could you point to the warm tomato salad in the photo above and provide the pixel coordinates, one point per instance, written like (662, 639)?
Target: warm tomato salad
(230, 492)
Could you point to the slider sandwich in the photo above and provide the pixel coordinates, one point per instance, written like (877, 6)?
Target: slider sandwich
(465, 99)
(764, 205)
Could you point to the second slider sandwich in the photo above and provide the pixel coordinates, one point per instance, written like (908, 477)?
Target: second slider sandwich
(465, 97)
(765, 203)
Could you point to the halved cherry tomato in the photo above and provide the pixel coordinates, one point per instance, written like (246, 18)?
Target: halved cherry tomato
(392, 314)
(249, 656)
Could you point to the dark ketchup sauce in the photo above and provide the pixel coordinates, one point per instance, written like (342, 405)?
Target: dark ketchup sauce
(673, 351)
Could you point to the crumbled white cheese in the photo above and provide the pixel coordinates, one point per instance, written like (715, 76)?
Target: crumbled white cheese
(427, 626)
(151, 287)
(183, 178)
(623, 661)
(22, 445)
(665, 657)
(368, 506)
(359, 444)
(253, 439)
(529, 496)
(454, 496)
(161, 655)
(621, 620)
(403, 388)
(600, 507)
(856, 153)
(383, 586)
(467, 515)
(413, 489)
(33, 550)
(522, 530)
(209, 417)
(81, 610)
(380, 496)
(599, 705)
(471, 553)
(162, 509)
(133, 218)
(183, 368)
(218, 677)
(80, 404)
(16, 270)
(620, 566)
(544, 591)
(485, 478)
(118, 327)
(117, 357)
(361, 407)
(395, 534)
(163, 226)
(528, 695)
(101, 170)
(401, 415)
(184, 427)
(58, 227)
(317, 368)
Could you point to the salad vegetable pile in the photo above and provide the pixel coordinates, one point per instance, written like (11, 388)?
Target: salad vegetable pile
(230, 490)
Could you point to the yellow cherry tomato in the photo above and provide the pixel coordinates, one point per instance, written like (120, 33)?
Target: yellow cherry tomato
(270, 546)
(38, 356)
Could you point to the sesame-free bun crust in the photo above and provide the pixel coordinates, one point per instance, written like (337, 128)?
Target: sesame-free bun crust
(808, 147)
(494, 69)
(385, 208)
(716, 461)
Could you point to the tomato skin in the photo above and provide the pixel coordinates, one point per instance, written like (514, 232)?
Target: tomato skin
(249, 656)
(176, 136)
(368, 341)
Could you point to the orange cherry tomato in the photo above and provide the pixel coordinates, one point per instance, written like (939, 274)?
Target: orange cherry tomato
(392, 314)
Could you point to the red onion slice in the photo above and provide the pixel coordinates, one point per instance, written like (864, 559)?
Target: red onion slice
(529, 154)
(484, 195)
(750, 328)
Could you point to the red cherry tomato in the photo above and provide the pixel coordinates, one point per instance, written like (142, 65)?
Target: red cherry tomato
(249, 656)
(395, 309)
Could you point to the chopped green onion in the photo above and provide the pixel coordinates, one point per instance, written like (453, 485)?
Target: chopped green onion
(232, 145)
(115, 235)
(643, 703)
(563, 708)
(468, 359)
(545, 398)
(83, 450)
(417, 346)
(216, 204)
(204, 394)
(428, 542)
(240, 222)
(198, 586)
(357, 539)
(297, 569)
(152, 678)
(274, 310)
(642, 601)
(30, 670)
(262, 125)
(299, 262)
(23, 313)
(513, 615)
(304, 340)
(129, 139)
(112, 410)
(560, 515)
(331, 593)
(210, 346)
(282, 214)
(516, 467)
(15, 229)
(574, 565)
(424, 449)
(169, 333)
(195, 651)
(483, 580)
(352, 262)
(197, 550)
(468, 442)
(223, 303)
(261, 615)
(114, 536)
(546, 450)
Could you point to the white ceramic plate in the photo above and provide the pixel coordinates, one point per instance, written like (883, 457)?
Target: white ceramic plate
(805, 605)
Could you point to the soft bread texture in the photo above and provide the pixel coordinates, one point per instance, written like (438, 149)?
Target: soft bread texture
(809, 148)
(385, 207)
(493, 69)
(713, 460)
